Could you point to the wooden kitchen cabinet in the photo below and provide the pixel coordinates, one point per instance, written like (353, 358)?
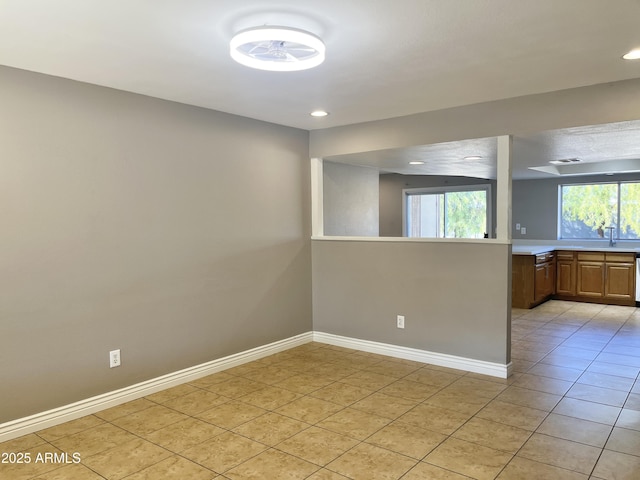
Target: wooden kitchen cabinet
(540, 283)
(607, 277)
(533, 279)
(566, 272)
(590, 279)
(590, 275)
(620, 277)
(601, 277)
(545, 280)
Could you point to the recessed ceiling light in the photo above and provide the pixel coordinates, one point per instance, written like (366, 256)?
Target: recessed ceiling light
(632, 55)
(416, 162)
(473, 157)
(278, 49)
(564, 161)
(319, 113)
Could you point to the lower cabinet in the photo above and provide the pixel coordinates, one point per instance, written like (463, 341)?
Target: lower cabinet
(545, 281)
(566, 272)
(576, 275)
(620, 282)
(590, 279)
(600, 277)
(533, 279)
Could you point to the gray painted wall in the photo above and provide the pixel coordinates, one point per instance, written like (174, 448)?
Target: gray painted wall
(357, 287)
(455, 296)
(535, 204)
(177, 234)
(350, 200)
(592, 105)
(391, 186)
(180, 235)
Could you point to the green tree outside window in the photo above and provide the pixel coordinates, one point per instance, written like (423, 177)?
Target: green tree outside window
(587, 210)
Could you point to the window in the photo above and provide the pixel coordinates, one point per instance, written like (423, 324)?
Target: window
(588, 210)
(455, 212)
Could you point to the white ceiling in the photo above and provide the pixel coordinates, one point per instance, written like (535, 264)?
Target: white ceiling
(611, 148)
(385, 58)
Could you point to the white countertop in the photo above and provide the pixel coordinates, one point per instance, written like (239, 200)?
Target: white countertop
(537, 249)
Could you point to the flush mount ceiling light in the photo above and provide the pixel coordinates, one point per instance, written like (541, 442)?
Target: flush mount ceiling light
(473, 157)
(632, 55)
(278, 49)
(319, 113)
(416, 162)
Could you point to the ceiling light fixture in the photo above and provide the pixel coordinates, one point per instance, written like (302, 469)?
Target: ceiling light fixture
(319, 113)
(473, 157)
(632, 55)
(564, 161)
(416, 162)
(277, 49)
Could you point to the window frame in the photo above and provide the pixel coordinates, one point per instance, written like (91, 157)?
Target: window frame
(407, 192)
(618, 184)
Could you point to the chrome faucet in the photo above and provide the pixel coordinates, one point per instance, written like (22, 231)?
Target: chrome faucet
(611, 241)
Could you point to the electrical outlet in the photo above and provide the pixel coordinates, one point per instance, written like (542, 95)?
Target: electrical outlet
(400, 321)
(114, 358)
(523, 230)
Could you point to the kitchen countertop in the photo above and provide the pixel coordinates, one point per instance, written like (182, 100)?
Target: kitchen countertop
(537, 249)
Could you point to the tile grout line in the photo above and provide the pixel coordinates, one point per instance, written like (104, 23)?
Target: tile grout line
(602, 449)
(549, 412)
(364, 367)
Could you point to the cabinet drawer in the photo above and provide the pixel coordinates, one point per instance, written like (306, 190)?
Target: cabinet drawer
(565, 255)
(544, 257)
(620, 257)
(591, 256)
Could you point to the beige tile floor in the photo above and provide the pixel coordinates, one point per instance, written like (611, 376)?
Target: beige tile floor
(571, 410)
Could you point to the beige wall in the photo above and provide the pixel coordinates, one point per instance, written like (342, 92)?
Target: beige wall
(455, 296)
(177, 234)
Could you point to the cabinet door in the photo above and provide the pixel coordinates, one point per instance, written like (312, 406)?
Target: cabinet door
(523, 281)
(590, 279)
(541, 281)
(566, 282)
(620, 281)
(551, 278)
(545, 281)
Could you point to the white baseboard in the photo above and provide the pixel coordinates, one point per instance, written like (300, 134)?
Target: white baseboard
(56, 416)
(424, 356)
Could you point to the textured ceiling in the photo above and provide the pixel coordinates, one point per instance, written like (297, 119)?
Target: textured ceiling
(610, 148)
(385, 58)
